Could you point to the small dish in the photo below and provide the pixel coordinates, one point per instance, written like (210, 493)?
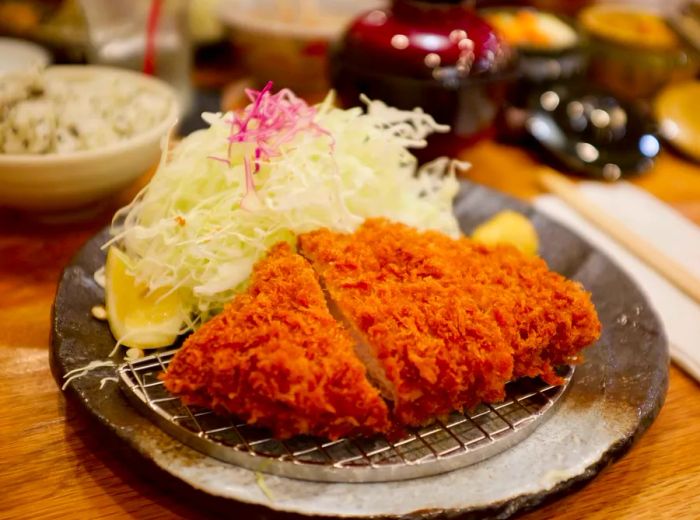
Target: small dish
(679, 121)
(634, 51)
(18, 54)
(593, 133)
(550, 47)
(56, 182)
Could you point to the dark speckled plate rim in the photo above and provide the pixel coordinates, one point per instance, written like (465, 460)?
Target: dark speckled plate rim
(504, 509)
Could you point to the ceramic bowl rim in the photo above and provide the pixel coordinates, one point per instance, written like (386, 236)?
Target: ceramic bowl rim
(134, 142)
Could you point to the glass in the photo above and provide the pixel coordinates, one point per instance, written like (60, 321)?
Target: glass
(122, 31)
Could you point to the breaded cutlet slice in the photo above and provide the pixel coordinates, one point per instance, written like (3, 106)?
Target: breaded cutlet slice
(277, 358)
(427, 345)
(547, 319)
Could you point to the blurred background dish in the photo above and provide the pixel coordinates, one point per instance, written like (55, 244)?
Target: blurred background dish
(287, 41)
(550, 48)
(565, 7)
(676, 109)
(58, 25)
(634, 51)
(439, 55)
(571, 7)
(49, 181)
(204, 23)
(593, 133)
(16, 54)
(531, 29)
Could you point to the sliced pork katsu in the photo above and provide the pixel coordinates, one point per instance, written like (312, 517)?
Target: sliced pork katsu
(426, 343)
(277, 358)
(545, 318)
(430, 323)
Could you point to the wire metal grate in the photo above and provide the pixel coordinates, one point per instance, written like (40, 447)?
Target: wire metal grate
(453, 442)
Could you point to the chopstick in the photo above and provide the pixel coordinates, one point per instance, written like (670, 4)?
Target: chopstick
(663, 264)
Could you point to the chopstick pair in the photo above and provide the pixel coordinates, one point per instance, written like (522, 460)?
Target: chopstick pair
(663, 264)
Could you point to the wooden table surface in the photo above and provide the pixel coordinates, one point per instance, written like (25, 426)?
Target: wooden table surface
(54, 463)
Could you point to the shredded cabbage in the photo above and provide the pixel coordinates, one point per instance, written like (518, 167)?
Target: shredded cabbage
(224, 195)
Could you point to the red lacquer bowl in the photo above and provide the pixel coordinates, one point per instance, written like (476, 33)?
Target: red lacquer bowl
(440, 56)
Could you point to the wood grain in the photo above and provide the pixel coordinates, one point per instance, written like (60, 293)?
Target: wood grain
(55, 463)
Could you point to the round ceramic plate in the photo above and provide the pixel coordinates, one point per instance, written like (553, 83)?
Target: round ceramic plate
(612, 399)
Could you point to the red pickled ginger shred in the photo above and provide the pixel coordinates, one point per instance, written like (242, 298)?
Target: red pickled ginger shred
(269, 122)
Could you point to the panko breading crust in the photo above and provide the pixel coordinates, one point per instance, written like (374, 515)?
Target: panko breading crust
(446, 322)
(277, 358)
(437, 348)
(546, 318)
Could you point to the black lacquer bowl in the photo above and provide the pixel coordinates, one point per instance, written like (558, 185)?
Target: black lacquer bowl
(613, 398)
(592, 132)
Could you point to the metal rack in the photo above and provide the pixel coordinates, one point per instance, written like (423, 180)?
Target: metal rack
(460, 440)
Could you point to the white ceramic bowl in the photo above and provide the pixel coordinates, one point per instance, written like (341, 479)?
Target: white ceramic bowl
(285, 44)
(78, 180)
(18, 54)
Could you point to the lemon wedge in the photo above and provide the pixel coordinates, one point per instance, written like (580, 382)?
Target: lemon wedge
(508, 227)
(139, 318)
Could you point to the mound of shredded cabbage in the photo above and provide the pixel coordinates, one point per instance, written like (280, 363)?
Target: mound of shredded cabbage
(224, 195)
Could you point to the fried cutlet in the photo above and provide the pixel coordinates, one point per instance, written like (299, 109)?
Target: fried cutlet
(277, 358)
(546, 318)
(431, 323)
(427, 344)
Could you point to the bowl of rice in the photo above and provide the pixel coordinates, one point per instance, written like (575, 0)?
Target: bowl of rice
(72, 136)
